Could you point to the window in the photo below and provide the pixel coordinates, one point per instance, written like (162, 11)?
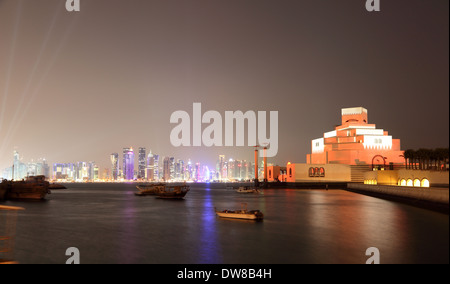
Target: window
(425, 183)
(409, 182)
(417, 182)
(403, 182)
(322, 172)
(311, 172)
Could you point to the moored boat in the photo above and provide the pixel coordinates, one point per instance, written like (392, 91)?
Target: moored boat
(241, 214)
(248, 189)
(148, 189)
(172, 191)
(35, 187)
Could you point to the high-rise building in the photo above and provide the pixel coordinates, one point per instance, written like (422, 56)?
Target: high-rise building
(166, 169)
(128, 163)
(150, 171)
(156, 168)
(115, 166)
(142, 163)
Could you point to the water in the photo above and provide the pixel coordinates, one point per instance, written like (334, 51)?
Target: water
(108, 224)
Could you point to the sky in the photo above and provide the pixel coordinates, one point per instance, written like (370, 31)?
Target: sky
(79, 86)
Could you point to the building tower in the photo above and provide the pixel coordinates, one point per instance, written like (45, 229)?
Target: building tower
(128, 163)
(142, 163)
(115, 166)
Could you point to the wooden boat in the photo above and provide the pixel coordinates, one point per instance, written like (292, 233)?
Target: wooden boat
(241, 214)
(248, 189)
(148, 189)
(56, 186)
(35, 187)
(172, 191)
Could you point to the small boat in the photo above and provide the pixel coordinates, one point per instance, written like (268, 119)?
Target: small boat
(35, 187)
(148, 189)
(241, 214)
(248, 189)
(172, 192)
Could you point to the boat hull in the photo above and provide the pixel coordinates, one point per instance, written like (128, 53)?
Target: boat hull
(246, 215)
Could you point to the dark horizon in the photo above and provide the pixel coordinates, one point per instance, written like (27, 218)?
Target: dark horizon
(80, 86)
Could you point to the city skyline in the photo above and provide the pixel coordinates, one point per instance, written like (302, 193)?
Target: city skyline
(74, 86)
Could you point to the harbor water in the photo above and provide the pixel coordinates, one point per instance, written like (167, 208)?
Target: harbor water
(107, 223)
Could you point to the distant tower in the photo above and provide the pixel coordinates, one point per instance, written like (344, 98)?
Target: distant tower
(142, 162)
(128, 163)
(150, 174)
(115, 166)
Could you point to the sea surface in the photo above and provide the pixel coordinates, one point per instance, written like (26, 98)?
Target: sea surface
(107, 223)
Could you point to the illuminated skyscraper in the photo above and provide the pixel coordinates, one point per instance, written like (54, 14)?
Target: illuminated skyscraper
(128, 163)
(150, 173)
(115, 166)
(142, 163)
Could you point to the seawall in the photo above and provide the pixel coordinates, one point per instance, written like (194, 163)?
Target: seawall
(431, 198)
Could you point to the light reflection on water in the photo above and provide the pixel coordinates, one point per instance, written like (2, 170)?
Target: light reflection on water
(110, 225)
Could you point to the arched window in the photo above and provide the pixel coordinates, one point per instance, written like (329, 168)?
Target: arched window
(290, 172)
(311, 172)
(403, 182)
(322, 172)
(316, 172)
(417, 182)
(425, 183)
(409, 182)
(270, 174)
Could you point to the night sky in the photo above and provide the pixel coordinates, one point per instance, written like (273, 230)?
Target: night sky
(80, 86)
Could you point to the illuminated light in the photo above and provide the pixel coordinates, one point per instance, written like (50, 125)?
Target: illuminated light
(409, 182)
(417, 182)
(425, 183)
(403, 182)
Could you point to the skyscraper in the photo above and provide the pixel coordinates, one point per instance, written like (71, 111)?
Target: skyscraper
(156, 168)
(150, 174)
(115, 166)
(142, 163)
(128, 163)
(166, 169)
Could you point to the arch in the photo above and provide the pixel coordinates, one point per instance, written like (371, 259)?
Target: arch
(378, 166)
(311, 172)
(403, 182)
(417, 182)
(316, 172)
(322, 172)
(409, 182)
(425, 183)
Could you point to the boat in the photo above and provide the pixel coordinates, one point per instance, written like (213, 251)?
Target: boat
(55, 186)
(241, 214)
(148, 189)
(248, 189)
(35, 187)
(172, 191)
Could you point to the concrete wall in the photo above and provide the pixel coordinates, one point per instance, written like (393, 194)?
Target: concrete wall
(436, 178)
(333, 173)
(436, 195)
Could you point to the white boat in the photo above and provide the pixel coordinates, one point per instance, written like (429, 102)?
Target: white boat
(241, 214)
(248, 189)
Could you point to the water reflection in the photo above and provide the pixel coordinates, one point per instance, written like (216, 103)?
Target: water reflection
(210, 250)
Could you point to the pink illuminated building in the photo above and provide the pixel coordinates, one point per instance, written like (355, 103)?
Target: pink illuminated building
(356, 142)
